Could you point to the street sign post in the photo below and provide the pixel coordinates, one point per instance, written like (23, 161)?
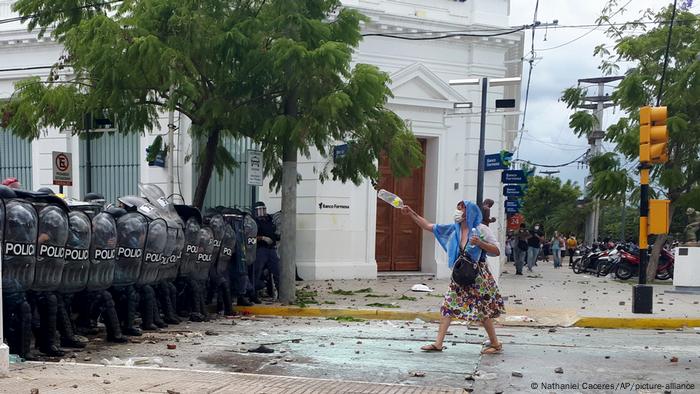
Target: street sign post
(498, 161)
(62, 169)
(255, 167)
(513, 176)
(513, 204)
(513, 190)
(512, 210)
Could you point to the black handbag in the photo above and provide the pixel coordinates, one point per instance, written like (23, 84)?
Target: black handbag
(465, 270)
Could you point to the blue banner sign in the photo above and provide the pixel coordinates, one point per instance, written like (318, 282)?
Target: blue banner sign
(512, 210)
(498, 161)
(513, 190)
(339, 151)
(512, 203)
(513, 176)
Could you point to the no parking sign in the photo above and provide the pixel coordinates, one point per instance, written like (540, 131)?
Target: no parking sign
(62, 169)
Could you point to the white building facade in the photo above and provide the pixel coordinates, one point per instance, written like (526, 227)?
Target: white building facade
(343, 230)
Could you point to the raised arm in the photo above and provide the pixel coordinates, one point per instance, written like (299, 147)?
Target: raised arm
(420, 221)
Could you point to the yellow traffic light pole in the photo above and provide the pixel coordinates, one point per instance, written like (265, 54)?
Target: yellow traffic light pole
(653, 140)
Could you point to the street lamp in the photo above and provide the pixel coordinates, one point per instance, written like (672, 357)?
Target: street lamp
(485, 83)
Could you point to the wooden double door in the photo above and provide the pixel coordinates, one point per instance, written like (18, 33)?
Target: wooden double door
(398, 238)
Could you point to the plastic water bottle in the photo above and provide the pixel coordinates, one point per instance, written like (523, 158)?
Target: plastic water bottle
(391, 198)
(15, 359)
(469, 241)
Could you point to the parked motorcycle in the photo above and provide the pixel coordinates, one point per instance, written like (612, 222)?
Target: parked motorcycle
(629, 265)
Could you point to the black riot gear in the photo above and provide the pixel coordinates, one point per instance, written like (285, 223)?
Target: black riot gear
(219, 274)
(131, 238)
(19, 247)
(103, 252)
(18, 231)
(77, 253)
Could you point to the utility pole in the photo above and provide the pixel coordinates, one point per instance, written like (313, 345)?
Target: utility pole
(598, 104)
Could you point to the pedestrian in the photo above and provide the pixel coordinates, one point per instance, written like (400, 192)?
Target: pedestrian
(534, 243)
(12, 183)
(480, 301)
(521, 249)
(571, 246)
(557, 244)
(509, 248)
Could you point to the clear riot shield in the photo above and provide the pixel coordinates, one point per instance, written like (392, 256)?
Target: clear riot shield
(191, 250)
(131, 239)
(250, 229)
(228, 245)
(172, 255)
(51, 244)
(103, 252)
(76, 271)
(19, 246)
(205, 249)
(153, 252)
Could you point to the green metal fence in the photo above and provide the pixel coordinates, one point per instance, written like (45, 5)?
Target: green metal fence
(232, 190)
(114, 166)
(15, 158)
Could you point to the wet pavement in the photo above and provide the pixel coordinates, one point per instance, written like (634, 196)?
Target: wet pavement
(388, 352)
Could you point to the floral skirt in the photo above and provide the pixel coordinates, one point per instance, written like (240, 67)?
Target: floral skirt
(477, 302)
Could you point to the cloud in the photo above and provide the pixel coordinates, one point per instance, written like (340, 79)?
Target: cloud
(548, 139)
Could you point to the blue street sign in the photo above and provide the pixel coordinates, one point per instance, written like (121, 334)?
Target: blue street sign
(339, 151)
(513, 190)
(512, 210)
(513, 176)
(498, 161)
(512, 203)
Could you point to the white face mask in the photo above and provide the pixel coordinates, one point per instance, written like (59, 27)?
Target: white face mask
(458, 216)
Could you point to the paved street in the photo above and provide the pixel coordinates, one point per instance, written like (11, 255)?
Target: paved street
(377, 352)
(547, 296)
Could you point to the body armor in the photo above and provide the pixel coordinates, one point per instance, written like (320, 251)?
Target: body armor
(131, 239)
(250, 229)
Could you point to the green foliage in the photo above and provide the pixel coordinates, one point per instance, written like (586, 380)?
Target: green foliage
(348, 319)
(553, 204)
(381, 305)
(235, 68)
(305, 297)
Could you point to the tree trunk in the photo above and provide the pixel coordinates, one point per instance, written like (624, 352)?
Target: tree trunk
(656, 250)
(288, 249)
(206, 169)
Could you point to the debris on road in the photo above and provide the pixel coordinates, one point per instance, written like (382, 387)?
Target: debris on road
(172, 346)
(261, 349)
(517, 374)
(559, 370)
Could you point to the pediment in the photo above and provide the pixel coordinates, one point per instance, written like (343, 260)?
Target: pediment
(416, 82)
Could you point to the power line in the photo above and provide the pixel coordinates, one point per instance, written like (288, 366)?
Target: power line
(552, 165)
(529, 78)
(668, 46)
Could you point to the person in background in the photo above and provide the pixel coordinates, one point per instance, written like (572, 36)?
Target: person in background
(266, 254)
(571, 246)
(12, 183)
(557, 244)
(521, 248)
(534, 243)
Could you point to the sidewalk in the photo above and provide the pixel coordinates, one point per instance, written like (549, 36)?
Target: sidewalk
(546, 297)
(90, 378)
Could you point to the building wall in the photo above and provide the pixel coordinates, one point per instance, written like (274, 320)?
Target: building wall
(340, 242)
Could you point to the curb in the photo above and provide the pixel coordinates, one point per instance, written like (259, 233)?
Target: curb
(381, 314)
(637, 322)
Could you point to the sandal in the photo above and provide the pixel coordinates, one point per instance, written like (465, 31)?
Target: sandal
(432, 348)
(492, 349)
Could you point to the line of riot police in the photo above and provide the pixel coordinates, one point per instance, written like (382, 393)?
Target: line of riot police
(67, 264)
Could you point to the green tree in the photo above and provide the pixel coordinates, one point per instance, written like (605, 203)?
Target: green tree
(554, 205)
(275, 71)
(643, 47)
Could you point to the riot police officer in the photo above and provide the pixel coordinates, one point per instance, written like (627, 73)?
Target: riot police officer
(18, 231)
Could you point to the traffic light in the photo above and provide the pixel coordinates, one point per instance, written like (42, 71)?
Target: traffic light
(653, 135)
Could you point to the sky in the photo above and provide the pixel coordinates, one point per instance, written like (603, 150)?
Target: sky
(548, 139)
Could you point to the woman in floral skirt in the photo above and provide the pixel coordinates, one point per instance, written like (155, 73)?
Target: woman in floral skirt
(480, 302)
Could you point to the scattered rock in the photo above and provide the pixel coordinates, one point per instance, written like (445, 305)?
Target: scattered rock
(607, 357)
(75, 386)
(517, 374)
(622, 303)
(34, 391)
(552, 330)
(289, 360)
(211, 333)
(273, 362)
(559, 370)
(418, 374)
(172, 392)
(468, 377)
(674, 359)
(95, 375)
(172, 346)
(106, 381)
(261, 349)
